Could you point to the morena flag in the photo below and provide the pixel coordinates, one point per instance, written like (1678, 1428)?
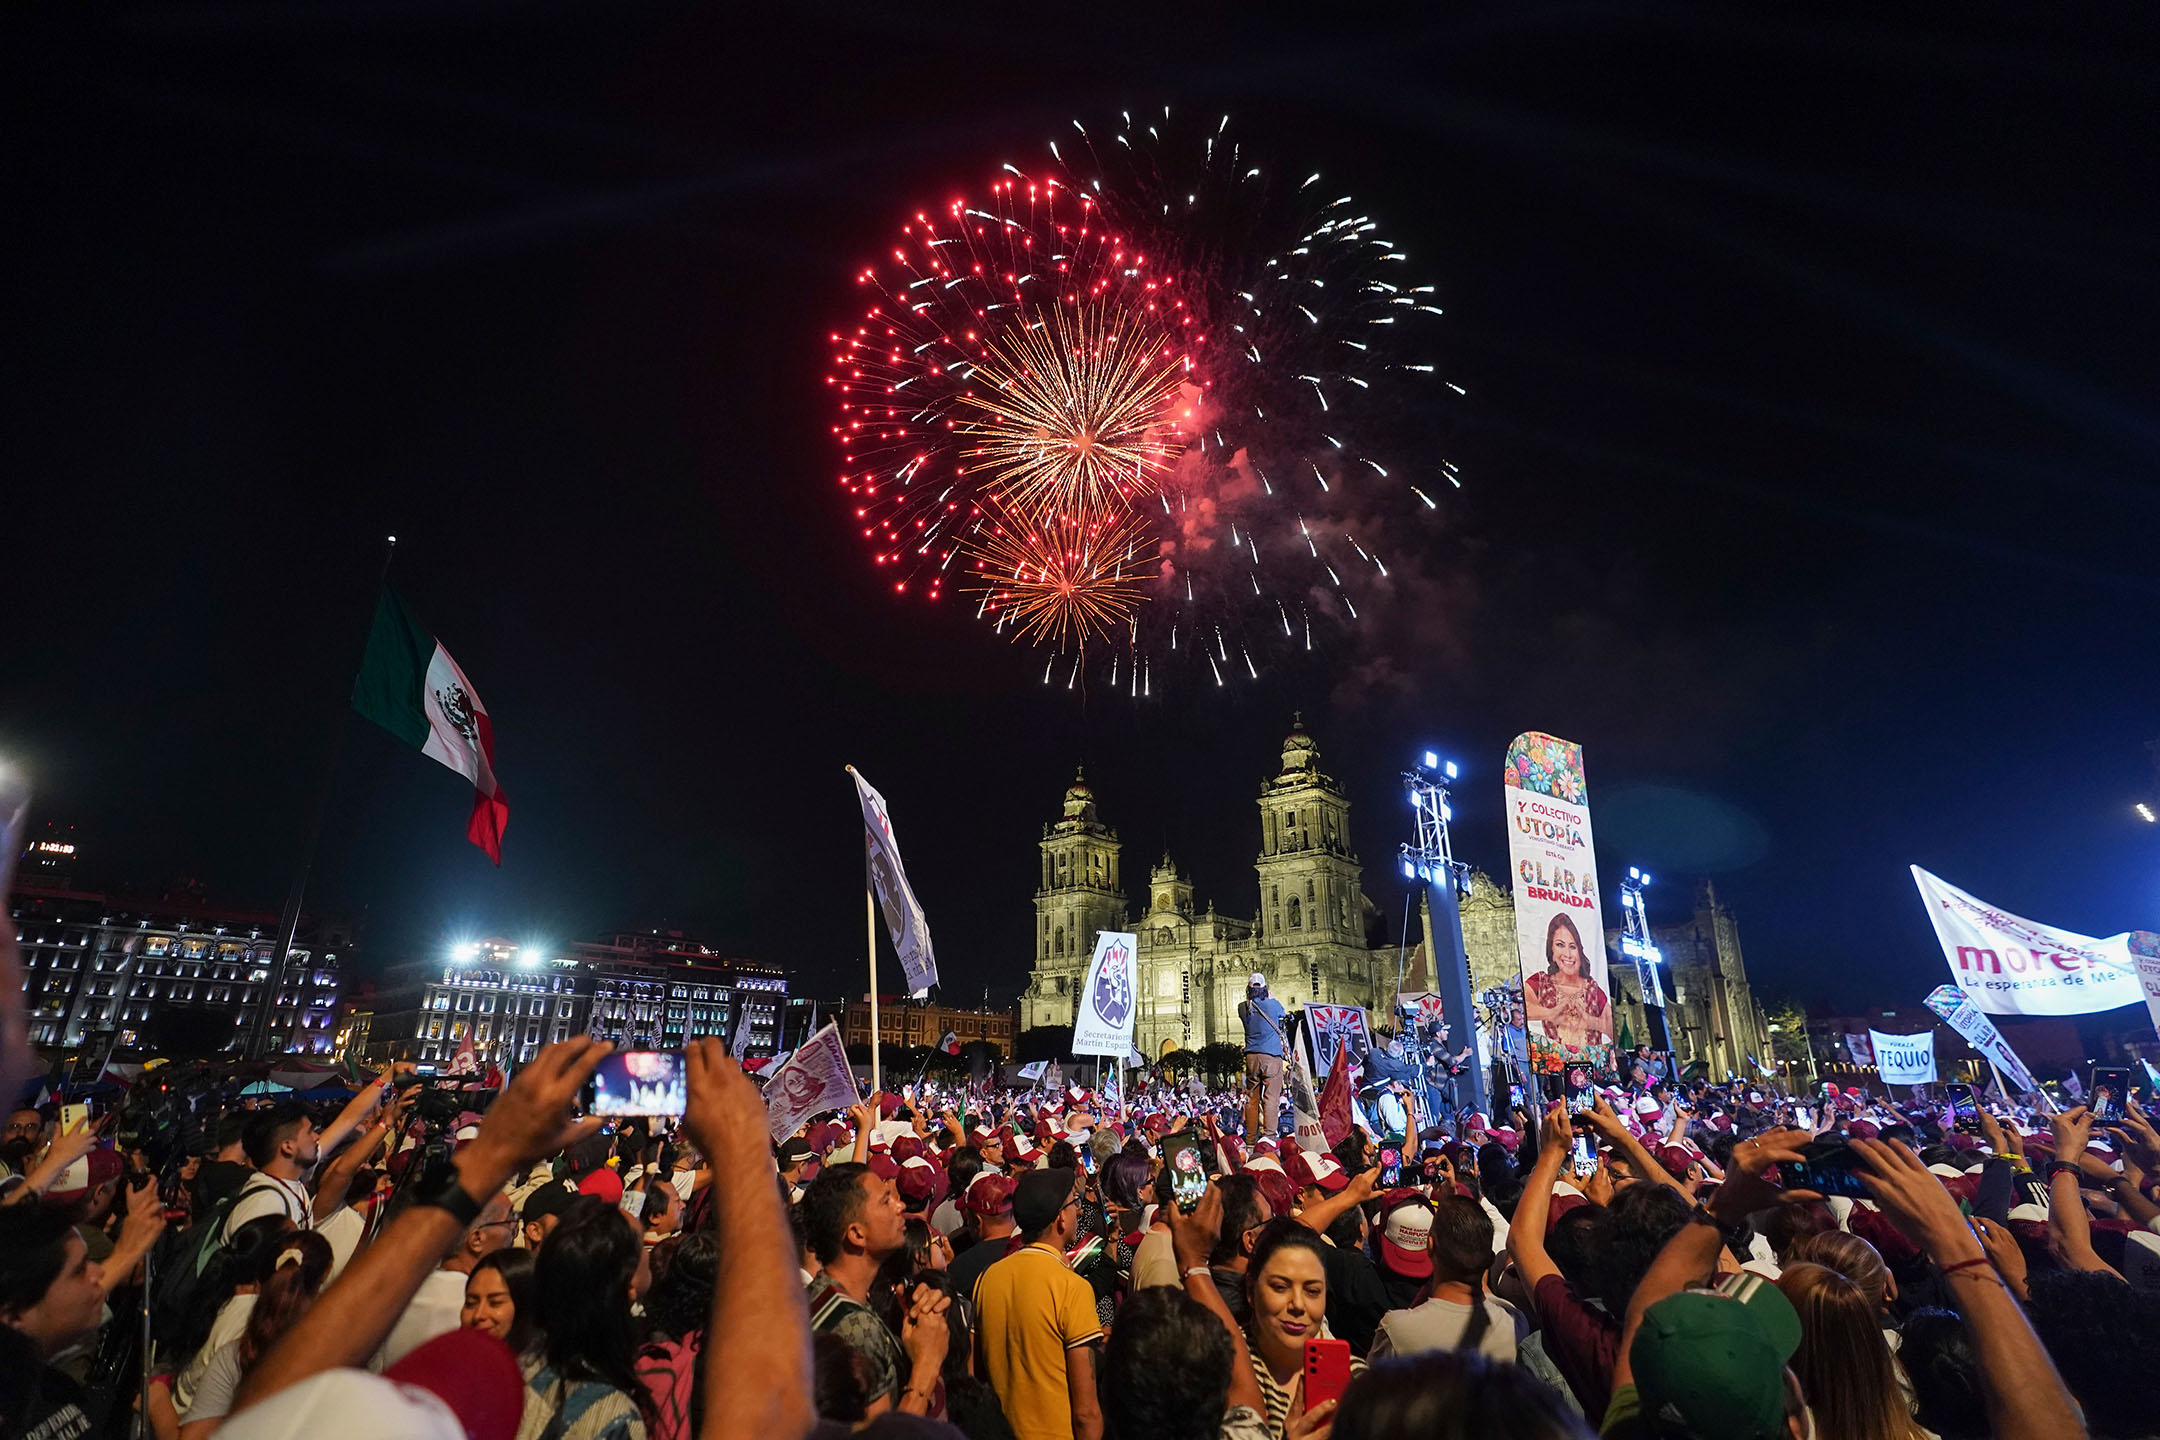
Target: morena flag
(409, 685)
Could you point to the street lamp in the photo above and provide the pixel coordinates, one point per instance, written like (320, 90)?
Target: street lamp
(1431, 860)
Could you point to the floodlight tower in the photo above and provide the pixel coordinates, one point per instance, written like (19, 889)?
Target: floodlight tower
(1431, 860)
(1635, 941)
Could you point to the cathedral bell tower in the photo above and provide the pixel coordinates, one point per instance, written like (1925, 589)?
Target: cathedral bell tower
(1312, 909)
(1079, 895)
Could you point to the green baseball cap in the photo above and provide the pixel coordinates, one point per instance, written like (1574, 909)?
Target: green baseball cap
(1711, 1363)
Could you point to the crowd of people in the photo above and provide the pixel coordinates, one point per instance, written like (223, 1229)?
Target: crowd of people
(1647, 1261)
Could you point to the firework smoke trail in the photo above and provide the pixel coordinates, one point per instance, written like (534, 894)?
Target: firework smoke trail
(1070, 394)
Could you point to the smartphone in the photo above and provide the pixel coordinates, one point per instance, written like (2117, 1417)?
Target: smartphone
(1803, 1117)
(633, 1204)
(1964, 1110)
(640, 1082)
(73, 1117)
(1826, 1168)
(1390, 1167)
(1188, 1181)
(1327, 1370)
(1585, 1155)
(2110, 1090)
(1087, 1158)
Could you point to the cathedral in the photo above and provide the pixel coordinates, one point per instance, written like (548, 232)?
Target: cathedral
(1311, 934)
(1308, 935)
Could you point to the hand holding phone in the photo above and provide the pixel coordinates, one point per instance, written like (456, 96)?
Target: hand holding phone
(1327, 1371)
(1188, 1181)
(641, 1082)
(1390, 1168)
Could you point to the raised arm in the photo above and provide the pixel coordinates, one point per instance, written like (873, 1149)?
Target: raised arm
(1320, 1215)
(359, 1108)
(355, 1314)
(759, 1325)
(2069, 1226)
(2025, 1397)
(1526, 1233)
(1192, 1238)
(336, 1177)
(1600, 1117)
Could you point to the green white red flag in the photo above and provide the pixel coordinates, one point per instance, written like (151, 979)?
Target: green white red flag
(409, 685)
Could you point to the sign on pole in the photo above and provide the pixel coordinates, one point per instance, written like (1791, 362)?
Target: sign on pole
(1559, 932)
(1962, 1015)
(1904, 1059)
(1103, 1020)
(816, 1078)
(2012, 966)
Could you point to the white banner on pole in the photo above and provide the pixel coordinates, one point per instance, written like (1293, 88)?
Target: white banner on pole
(1904, 1059)
(2011, 966)
(903, 916)
(1103, 1019)
(816, 1078)
(2145, 956)
(1962, 1015)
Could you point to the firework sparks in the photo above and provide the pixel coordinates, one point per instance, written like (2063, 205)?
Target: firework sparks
(1032, 403)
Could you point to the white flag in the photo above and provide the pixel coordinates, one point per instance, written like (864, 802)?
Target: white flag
(816, 1078)
(1103, 1021)
(903, 916)
(2011, 966)
(1904, 1059)
(742, 1035)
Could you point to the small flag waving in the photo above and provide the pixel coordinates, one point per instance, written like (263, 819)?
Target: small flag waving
(903, 916)
(950, 1044)
(409, 685)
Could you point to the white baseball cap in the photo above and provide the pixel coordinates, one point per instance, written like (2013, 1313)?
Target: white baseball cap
(1256, 978)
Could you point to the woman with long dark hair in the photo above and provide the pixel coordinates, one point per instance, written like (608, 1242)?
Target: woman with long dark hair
(286, 1283)
(1286, 1305)
(499, 1299)
(585, 1280)
(1565, 997)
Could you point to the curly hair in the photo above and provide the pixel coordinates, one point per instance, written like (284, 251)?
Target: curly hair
(681, 1297)
(1629, 1234)
(1944, 1366)
(1452, 1395)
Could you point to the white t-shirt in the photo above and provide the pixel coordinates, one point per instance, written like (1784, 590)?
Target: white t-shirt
(1440, 1325)
(343, 1230)
(1154, 1263)
(434, 1309)
(265, 1194)
(231, 1321)
(947, 1219)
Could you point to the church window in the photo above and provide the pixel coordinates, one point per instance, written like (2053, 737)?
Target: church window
(1308, 891)
(1293, 912)
(1058, 947)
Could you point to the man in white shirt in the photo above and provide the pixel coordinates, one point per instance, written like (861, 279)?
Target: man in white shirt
(283, 1145)
(436, 1307)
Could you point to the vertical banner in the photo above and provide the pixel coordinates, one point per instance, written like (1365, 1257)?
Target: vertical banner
(1335, 1027)
(1962, 1015)
(895, 897)
(2019, 967)
(1103, 1023)
(1559, 932)
(2145, 955)
(816, 1078)
(1904, 1059)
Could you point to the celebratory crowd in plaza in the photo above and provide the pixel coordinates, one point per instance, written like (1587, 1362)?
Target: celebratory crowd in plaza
(1643, 1263)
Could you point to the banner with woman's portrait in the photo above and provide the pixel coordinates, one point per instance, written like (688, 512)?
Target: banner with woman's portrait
(1559, 928)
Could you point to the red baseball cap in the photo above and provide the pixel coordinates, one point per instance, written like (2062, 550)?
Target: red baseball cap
(474, 1374)
(1406, 1234)
(990, 1195)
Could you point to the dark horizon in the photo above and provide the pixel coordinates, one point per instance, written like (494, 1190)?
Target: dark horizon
(1805, 459)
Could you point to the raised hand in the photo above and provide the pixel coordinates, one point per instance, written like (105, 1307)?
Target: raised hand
(1914, 1199)
(726, 1115)
(531, 1119)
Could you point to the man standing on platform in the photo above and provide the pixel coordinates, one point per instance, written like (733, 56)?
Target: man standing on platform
(1265, 1023)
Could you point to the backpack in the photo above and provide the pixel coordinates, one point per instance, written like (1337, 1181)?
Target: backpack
(186, 1279)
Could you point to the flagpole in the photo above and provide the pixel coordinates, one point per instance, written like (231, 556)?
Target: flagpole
(289, 920)
(870, 945)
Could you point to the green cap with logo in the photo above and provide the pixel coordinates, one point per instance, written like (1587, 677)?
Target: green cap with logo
(1711, 1363)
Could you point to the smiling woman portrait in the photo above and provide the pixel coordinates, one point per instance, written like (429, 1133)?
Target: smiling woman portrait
(1566, 999)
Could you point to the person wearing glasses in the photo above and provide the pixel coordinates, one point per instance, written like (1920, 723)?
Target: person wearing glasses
(438, 1306)
(1036, 1318)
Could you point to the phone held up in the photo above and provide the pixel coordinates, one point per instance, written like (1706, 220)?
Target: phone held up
(1327, 1370)
(640, 1082)
(1188, 1180)
(1964, 1110)
(1390, 1168)
(1585, 1156)
(2110, 1092)
(1826, 1167)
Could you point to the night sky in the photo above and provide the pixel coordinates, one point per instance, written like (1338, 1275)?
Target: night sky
(1809, 459)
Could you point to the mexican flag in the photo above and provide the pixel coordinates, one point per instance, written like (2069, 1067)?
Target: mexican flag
(409, 685)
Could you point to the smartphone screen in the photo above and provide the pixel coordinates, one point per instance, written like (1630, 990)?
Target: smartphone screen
(2110, 1090)
(640, 1082)
(1964, 1110)
(1390, 1167)
(1826, 1168)
(1803, 1117)
(1188, 1181)
(1585, 1155)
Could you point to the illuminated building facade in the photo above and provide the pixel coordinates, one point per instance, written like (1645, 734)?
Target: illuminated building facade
(904, 1022)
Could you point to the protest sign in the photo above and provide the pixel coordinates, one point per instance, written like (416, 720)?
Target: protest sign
(1904, 1059)
(816, 1078)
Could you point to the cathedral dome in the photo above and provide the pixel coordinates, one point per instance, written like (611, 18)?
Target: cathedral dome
(1079, 800)
(1299, 750)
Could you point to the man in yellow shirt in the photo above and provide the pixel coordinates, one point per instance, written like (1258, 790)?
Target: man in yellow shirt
(1037, 1319)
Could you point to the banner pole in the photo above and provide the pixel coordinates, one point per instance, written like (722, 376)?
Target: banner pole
(870, 947)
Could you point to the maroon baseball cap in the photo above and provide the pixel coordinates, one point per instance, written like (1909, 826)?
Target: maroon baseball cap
(474, 1374)
(990, 1195)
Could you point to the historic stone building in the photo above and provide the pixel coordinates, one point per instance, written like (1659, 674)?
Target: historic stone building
(1309, 935)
